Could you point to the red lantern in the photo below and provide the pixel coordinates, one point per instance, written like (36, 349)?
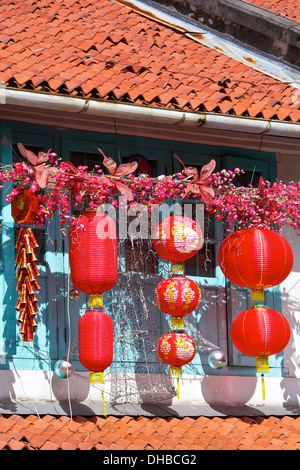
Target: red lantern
(24, 207)
(177, 296)
(177, 238)
(93, 255)
(95, 340)
(256, 258)
(260, 332)
(176, 349)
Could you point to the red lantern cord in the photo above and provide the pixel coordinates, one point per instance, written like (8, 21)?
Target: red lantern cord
(27, 283)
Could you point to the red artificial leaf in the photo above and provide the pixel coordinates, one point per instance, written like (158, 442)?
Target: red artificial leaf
(124, 190)
(261, 184)
(41, 175)
(126, 169)
(117, 172)
(71, 170)
(107, 180)
(192, 171)
(207, 170)
(198, 185)
(32, 158)
(108, 162)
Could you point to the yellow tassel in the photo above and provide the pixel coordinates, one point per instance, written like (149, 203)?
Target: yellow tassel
(258, 294)
(177, 267)
(178, 387)
(95, 300)
(175, 370)
(177, 322)
(104, 406)
(96, 377)
(262, 364)
(263, 387)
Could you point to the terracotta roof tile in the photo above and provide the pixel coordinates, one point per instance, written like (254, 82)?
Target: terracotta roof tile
(74, 48)
(289, 9)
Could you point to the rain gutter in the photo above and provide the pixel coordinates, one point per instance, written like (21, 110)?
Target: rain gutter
(66, 104)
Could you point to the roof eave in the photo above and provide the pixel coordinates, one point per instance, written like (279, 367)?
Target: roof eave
(148, 114)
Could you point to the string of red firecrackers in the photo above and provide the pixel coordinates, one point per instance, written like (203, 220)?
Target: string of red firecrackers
(24, 209)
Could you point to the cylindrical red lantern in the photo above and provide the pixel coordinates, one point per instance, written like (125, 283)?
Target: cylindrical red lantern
(95, 343)
(177, 296)
(93, 253)
(177, 238)
(256, 258)
(176, 349)
(260, 332)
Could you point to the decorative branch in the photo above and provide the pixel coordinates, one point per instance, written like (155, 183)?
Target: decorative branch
(270, 205)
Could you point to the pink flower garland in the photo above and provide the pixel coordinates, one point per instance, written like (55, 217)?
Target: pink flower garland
(269, 206)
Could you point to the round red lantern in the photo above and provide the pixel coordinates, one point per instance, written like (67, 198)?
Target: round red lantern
(177, 296)
(256, 258)
(177, 238)
(24, 207)
(176, 349)
(260, 332)
(93, 254)
(95, 343)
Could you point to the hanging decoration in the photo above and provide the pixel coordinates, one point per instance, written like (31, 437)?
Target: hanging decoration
(270, 205)
(24, 207)
(64, 369)
(93, 255)
(27, 284)
(268, 208)
(95, 341)
(177, 296)
(256, 259)
(260, 332)
(217, 359)
(176, 349)
(177, 238)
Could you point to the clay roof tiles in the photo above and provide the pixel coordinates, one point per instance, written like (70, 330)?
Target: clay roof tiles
(289, 9)
(103, 50)
(48, 432)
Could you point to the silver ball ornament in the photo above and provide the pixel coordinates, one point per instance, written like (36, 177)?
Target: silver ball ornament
(74, 294)
(63, 369)
(217, 359)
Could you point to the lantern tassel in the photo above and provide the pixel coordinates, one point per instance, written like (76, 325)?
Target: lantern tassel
(262, 364)
(175, 370)
(177, 267)
(263, 387)
(104, 405)
(178, 394)
(257, 294)
(95, 300)
(177, 322)
(96, 377)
